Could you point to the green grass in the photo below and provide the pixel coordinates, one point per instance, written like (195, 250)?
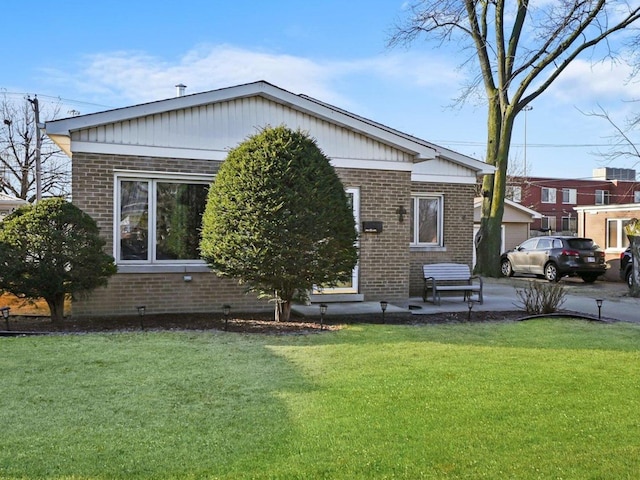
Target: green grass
(537, 399)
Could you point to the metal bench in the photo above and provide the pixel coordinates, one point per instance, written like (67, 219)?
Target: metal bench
(450, 277)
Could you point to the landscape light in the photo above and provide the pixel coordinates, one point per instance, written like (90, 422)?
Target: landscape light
(226, 309)
(383, 307)
(323, 310)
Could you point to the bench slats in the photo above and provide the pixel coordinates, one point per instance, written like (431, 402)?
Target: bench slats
(449, 272)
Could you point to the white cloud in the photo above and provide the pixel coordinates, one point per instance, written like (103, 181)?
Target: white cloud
(118, 78)
(583, 82)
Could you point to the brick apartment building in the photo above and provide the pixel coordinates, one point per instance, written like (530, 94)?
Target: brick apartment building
(556, 198)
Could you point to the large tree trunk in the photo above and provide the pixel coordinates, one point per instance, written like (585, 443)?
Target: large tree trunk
(489, 238)
(56, 307)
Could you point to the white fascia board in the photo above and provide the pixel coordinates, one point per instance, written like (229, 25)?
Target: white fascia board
(608, 208)
(146, 151)
(358, 164)
(477, 202)
(457, 179)
(221, 155)
(481, 168)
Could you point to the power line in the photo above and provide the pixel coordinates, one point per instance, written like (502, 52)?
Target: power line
(529, 145)
(52, 97)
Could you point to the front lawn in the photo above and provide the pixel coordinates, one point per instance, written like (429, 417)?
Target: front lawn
(536, 399)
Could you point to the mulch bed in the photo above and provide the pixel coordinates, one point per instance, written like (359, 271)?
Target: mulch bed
(247, 323)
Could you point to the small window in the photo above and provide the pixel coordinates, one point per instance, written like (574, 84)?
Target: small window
(616, 236)
(514, 193)
(548, 223)
(569, 196)
(569, 224)
(636, 197)
(548, 195)
(602, 197)
(426, 225)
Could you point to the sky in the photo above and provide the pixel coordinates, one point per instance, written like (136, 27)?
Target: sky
(93, 56)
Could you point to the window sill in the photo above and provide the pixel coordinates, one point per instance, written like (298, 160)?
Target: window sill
(421, 248)
(159, 268)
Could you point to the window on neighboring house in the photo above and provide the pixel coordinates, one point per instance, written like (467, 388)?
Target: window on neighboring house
(514, 193)
(159, 219)
(616, 237)
(636, 197)
(569, 195)
(548, 223)
(548, 195)
(569, 224)
(602, 197)
(426, 225)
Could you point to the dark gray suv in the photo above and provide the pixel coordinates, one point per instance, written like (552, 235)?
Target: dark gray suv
(554, 257)
(626, 267)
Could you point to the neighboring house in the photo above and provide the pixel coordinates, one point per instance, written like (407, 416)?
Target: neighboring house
(605, 225)
(555, 198)
(132, 167)
(9, 203)
(516, 223)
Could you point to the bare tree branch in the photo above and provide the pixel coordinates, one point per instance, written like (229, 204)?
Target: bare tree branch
(18, 153)
(521, 48)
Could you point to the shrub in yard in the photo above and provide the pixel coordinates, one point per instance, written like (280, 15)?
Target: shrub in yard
(50, 250)
(540, 298)
(278, 218)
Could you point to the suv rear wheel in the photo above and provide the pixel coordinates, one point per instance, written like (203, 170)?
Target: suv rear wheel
(589, 277)
(629, 277)
(551, 272)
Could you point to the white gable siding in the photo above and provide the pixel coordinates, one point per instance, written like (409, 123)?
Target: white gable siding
(439, 170)
(221, 126)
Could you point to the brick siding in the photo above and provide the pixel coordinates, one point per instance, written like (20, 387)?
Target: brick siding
(384, 257)
(388, 270)
(457, 235)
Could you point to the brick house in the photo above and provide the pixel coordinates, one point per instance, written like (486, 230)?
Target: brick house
(132, 166)
(555, 198)
(605, 225)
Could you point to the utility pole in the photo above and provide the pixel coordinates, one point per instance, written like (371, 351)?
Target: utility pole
(526, 108)
(36, 113)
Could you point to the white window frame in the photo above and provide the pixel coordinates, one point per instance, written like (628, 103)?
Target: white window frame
(621, 237)
(415, 198)
(515, 192)
(550, 195)
(569, 196)
(153, 178)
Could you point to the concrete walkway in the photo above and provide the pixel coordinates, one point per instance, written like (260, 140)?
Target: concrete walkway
(500, 295)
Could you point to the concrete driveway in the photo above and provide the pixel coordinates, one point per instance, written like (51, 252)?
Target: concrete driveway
(500, 295)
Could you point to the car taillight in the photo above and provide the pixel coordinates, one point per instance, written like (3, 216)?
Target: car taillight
(570, 253)
(622, 256)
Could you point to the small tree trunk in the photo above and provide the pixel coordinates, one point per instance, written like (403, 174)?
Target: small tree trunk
(56, 307)
(283, 306)
(634, 241)
(285, 311)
